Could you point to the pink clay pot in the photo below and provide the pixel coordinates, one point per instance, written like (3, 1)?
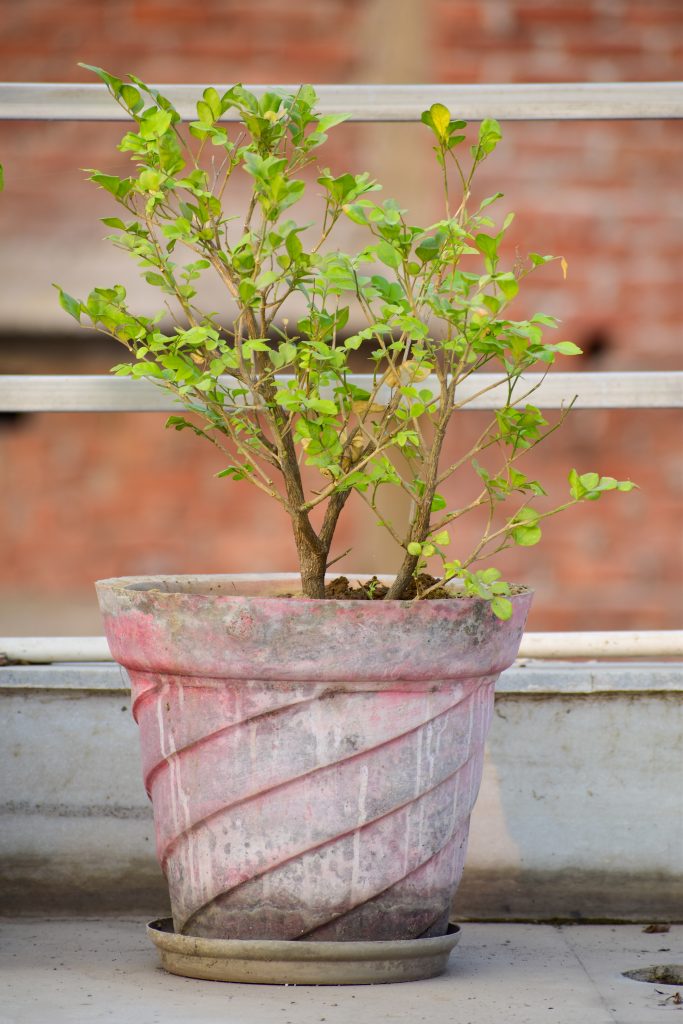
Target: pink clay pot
(312, 764)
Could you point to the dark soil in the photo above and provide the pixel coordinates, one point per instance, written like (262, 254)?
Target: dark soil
(341, 590)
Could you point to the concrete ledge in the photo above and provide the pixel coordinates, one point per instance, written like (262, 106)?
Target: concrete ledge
(569, 894)
(580, 815)
(527, 677)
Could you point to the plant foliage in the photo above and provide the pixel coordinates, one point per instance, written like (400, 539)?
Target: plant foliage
(428, 307)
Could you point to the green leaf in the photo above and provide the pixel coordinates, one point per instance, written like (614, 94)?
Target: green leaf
(293, 245)
(205, 113)
(132, 98)
(525, 530)
(526, 536)
(508, 284)
(2, 178)
(438, 503)
(149, 180)
(112, 83)
(339, 188)
(574, 485)
(526, 515)
(589, 481)
(331, 121)
(213, 101)
(568, 348)
(255, 345)
(177, 422)
(489, 135)
(539, 260)
(325, 406)
(501, 608)
(247, 291)
(442, 538)
(114, 222)
(155, 123)
(490, 199)
(430, 247)
(266, 279)
(72, 306)
(414, 548)
(155, 279)
(354, 342)
(356, 213)
(543, 318)
(109, 182)
(487, 245)
(388, 255)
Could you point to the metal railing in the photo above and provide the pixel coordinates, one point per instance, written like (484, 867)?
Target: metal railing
(99, 393)
(612, 101)
(56, 101)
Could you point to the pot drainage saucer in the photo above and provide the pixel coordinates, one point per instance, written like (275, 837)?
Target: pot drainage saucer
(286, 962)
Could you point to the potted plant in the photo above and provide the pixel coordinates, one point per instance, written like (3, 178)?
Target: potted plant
(313, 747)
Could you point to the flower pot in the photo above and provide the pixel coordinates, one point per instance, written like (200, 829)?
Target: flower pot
(312, 764)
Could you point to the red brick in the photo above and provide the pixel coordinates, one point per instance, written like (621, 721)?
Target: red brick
(95, 495)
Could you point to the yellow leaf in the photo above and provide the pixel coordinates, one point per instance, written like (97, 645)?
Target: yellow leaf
(406, 373)
(441, 118)
(275, 115)
(564, 265)
(366, 408)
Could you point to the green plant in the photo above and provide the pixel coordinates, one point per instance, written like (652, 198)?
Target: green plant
(428, 305)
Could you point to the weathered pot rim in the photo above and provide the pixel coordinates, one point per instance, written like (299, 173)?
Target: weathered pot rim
(284, 586)
(229, 626)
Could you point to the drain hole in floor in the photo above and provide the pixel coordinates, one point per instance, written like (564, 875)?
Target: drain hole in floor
(662, 974)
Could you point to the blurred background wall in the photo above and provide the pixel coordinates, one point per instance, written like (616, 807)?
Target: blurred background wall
(95, 495)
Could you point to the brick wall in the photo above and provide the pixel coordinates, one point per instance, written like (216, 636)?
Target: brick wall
(90, 496)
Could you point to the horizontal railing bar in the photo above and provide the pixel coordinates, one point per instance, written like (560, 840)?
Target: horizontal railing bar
(42, 650)
(103, 393)
(57, 101)
(666, 643)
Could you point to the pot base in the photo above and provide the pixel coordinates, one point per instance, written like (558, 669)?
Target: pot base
(277, 962)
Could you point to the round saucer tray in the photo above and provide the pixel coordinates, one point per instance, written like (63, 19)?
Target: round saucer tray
(277, 962)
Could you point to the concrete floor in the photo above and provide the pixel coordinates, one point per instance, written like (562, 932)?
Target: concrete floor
(87, 971)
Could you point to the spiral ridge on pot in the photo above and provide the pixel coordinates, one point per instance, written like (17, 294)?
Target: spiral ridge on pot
(308, 810)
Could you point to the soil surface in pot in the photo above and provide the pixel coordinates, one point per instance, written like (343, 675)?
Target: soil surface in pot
(423, 585)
